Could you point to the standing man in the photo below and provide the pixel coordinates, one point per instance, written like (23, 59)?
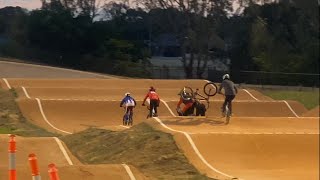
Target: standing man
(154, 101)
(230, 92)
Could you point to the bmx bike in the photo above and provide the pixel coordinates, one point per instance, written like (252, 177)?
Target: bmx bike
(128, 116)
(153, 112)
(201, 102)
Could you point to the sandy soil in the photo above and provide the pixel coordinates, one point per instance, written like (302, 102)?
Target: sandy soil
(48, 151)
(167, 94)
(261, 142)
(262, 157)
(312, 113)
(247, 125)
(20, 70)
(105, 83)
(253, 109)
(83, 172)
(74, 116)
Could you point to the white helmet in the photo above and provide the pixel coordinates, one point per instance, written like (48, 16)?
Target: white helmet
(127, 94)
(226, 76)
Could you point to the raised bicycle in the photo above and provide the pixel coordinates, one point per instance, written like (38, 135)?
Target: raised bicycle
(201, 102)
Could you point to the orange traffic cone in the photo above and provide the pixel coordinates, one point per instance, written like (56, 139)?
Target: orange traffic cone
(12, 157)
(34, 167)
(53, 172)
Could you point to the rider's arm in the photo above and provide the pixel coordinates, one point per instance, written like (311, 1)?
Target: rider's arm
(121, 102)
(135, 103)
(179, 103)
(145, 98)
(158, 99)
(220, 88)
(235, 88)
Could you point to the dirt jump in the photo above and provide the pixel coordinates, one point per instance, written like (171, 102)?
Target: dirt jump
(265, 139)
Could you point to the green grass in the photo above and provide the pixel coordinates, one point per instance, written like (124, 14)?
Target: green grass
(5, 130)
(153, 152)
(310, 99)
(12, 120)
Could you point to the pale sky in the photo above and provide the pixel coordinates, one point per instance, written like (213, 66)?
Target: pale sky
(28, 4)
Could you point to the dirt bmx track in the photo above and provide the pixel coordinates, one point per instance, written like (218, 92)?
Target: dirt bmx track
(266, 139)
(48, 151)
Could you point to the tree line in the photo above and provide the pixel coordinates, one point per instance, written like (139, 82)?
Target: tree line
(116, 38)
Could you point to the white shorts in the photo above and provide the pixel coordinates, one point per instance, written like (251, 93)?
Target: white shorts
(148, 102)
(129, 104)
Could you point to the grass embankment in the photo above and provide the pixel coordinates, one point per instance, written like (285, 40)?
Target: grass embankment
(310, 99)
(153, 152)
(11, 119)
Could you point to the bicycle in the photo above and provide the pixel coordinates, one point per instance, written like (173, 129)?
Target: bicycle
(153, 112)
(210, 89)
(128, 117)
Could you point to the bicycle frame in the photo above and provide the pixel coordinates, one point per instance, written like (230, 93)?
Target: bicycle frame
(202, 97)
(187, 92)
(127, 117)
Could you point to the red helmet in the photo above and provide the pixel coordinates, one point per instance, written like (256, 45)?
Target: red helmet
(152, 88)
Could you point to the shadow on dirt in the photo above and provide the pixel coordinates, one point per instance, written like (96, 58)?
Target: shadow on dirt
(191, 121)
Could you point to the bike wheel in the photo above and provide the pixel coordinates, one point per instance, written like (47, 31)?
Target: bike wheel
(210, 89)
(126, 119)
(227, 114)
(131, 119)
(186, 93)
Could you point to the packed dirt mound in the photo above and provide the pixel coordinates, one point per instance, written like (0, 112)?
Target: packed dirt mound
(258, 95)
(252, 109)
(46, 149)
(313, 112)
(241, 125)
(22, 69)
(99, 172)
(75, 116)
(297, 107)
(153, 152)
(106, 83)
(96, 93)
(77, 172)
(112, 93)
(263, 157)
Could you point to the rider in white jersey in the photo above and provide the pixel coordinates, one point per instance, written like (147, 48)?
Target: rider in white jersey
(129, 102)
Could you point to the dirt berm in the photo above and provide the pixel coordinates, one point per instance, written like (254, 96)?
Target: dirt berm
(153, 152)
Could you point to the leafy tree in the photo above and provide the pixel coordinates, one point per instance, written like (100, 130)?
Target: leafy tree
(193, 24)
(281, 39)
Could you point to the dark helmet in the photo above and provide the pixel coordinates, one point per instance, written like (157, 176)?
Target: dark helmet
(152, 88)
